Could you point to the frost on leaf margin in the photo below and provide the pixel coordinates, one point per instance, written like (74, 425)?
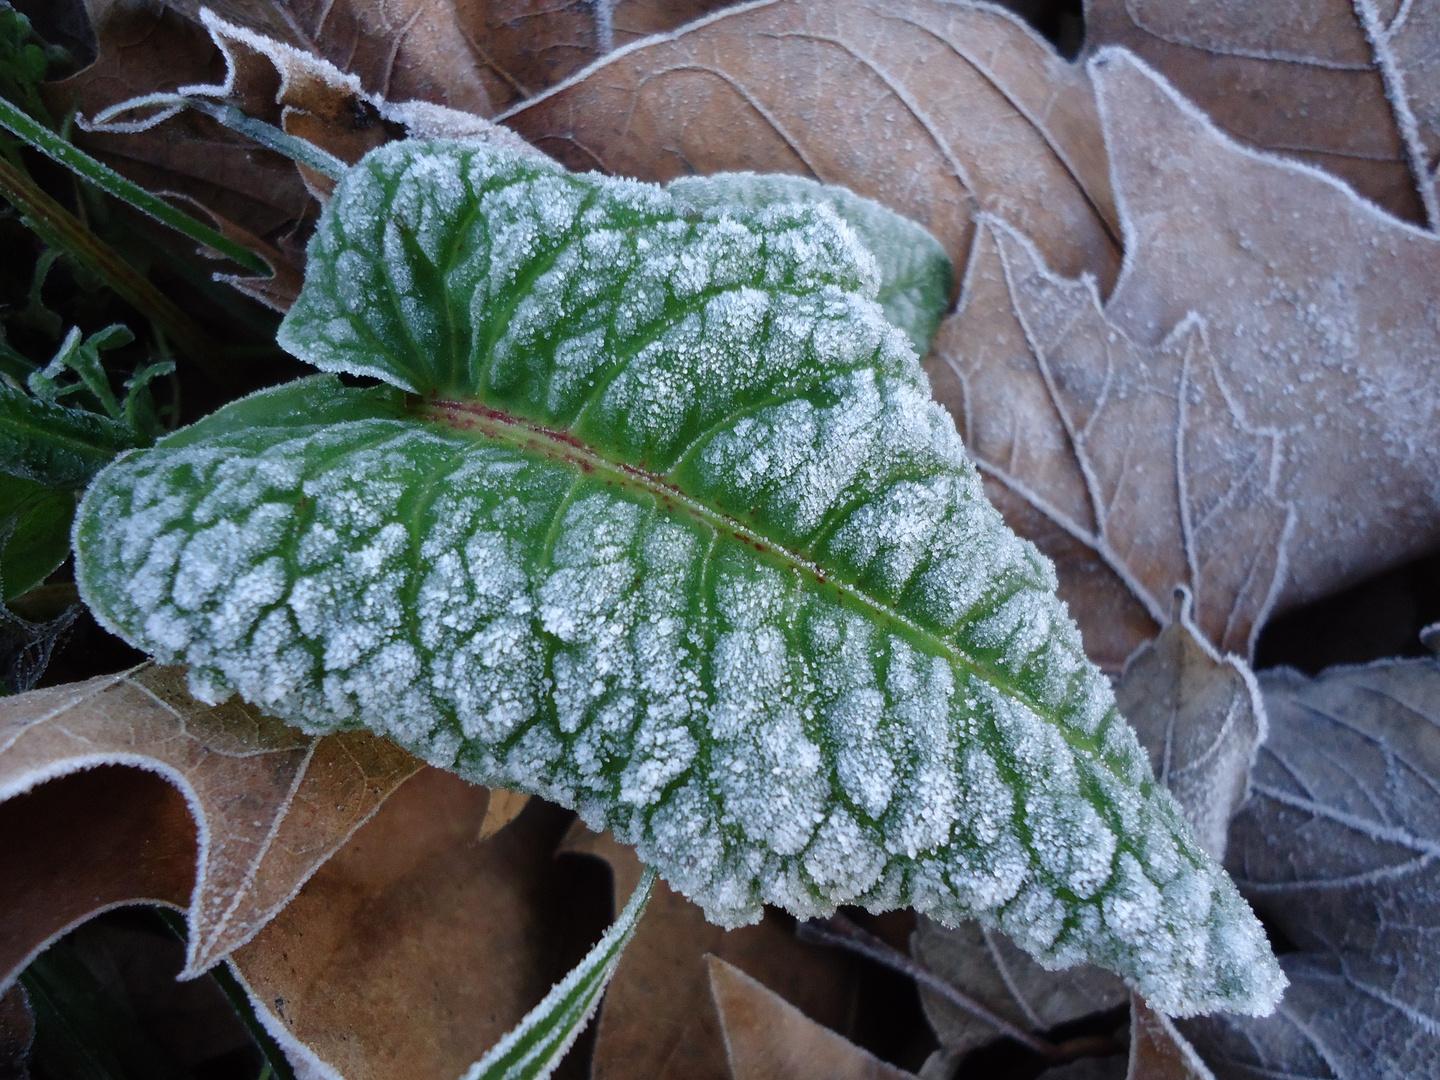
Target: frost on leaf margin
(669, 530)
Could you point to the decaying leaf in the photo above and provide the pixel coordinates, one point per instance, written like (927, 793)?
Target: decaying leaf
(398, 50)
(1268, 351)
(658, 1020)
(417, 946)
(1158, 1051)
(1338, 848)
(990, 969)
(1352, 86)
(270, 804)
(938, 110)
(145, 46)
(1201, 717)
(767, 1037)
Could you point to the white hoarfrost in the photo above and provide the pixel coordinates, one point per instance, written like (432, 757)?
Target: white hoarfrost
(717, 574)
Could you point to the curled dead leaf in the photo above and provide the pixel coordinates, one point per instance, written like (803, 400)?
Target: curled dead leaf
(503, 808)
(938, 110)
(269, 806)
(1158, 1051)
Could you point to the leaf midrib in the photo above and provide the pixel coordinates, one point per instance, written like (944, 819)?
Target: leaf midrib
(481, 421)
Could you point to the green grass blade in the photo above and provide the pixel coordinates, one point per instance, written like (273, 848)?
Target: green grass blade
(534, 1047)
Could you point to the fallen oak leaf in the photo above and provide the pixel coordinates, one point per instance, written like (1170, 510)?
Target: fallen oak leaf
(1201, 717)
(658, 1019)
(145, 47)
(396, 49)
(1347, 85)
(1337, 848)
(1087, 439)
(270, 803)
(767, 1037)
(417, 947)
(1156, 460)
(937, 110)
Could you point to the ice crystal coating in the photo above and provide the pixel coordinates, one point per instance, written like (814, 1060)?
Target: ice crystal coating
(668, 530)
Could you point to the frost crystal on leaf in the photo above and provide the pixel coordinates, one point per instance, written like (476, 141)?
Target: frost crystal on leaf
(667, 530)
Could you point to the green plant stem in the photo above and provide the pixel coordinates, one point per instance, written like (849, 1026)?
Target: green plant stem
(60, 228)
(111, 182)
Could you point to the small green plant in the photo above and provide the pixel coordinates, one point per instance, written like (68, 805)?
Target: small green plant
(651, 514)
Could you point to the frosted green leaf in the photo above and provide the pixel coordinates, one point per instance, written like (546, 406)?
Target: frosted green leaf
(668, 530)
(915, 273)
(533, 1048)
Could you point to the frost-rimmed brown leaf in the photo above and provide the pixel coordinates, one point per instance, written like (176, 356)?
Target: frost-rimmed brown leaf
(669, 531)
(270, 803)
(1268, 350)
(1338, 848)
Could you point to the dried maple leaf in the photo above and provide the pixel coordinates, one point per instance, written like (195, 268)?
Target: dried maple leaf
(269, 805)
(767, 1037)
(414, 949)
(938, 110)
(1352, 86)
(657, 1020)
(1268, 352)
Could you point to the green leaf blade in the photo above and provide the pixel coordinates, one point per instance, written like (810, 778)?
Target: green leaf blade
(55, 445)
(696, 556)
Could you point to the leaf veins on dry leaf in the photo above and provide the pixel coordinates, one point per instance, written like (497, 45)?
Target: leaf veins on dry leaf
(1268, 351)
(269, 806)
(1352, 86)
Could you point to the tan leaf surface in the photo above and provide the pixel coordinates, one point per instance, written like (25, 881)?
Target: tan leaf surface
(1352, 86)
(524, 47)
(766, 1037)
(939, 110)
(414, 949)
(1201, 717)
(657, 1020)
(989, 968)
(269, 804)
(1158, 1051)
(503, 808)
(1268, 352)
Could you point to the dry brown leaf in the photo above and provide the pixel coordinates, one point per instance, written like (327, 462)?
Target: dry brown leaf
(398, 49)
(524, 47)
(657, 1020)
(939, 110)
(767, 1038)
(1352, 86)
(269, 804)
(989, 968)
(1267, 354)
(503, 808)
(1201, 717)
(146, 47)
(1158, 1051)
(414, 949)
